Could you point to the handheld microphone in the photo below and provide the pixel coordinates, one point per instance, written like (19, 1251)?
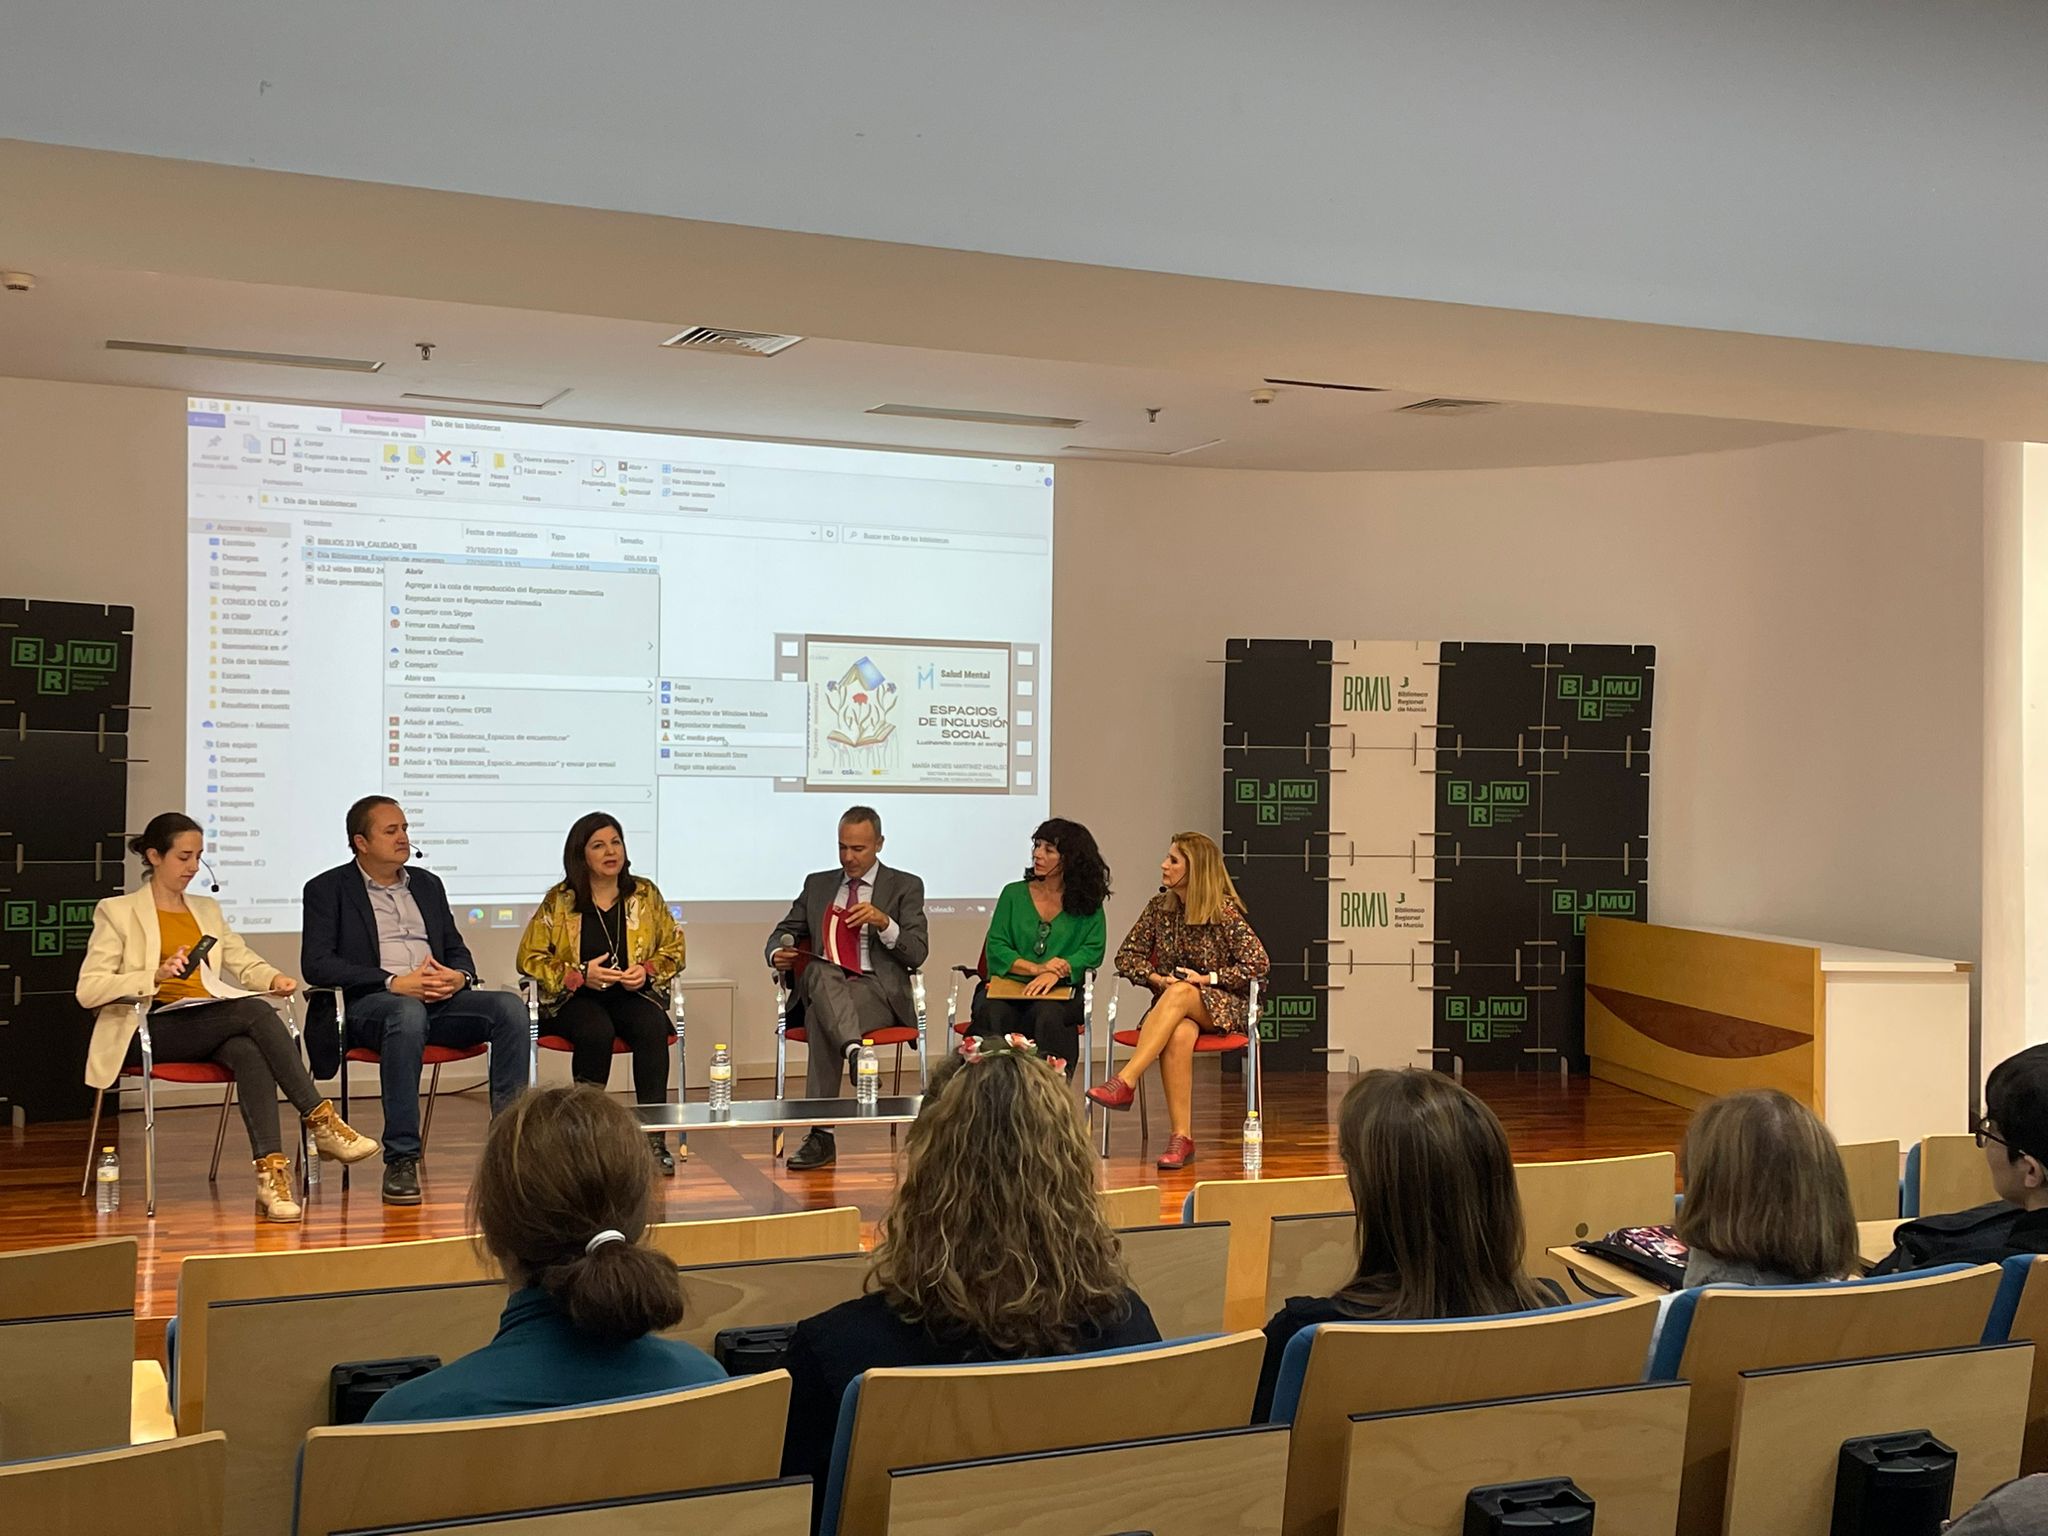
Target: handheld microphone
(210, 875)
(785, 941)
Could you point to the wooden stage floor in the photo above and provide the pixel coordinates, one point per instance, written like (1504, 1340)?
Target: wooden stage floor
(727, 1174)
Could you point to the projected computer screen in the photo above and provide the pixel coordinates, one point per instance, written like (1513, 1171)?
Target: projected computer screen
(502, 625)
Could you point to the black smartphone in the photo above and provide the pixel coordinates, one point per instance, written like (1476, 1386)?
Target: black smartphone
(196, 956)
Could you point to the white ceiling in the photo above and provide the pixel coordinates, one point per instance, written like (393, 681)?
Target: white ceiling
(821, 390)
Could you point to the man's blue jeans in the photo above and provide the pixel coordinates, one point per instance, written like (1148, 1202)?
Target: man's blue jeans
(400, 1029)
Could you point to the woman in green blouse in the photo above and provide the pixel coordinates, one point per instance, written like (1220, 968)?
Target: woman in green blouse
(1047, 930)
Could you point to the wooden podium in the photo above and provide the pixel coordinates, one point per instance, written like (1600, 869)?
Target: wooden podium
(1878, 1044)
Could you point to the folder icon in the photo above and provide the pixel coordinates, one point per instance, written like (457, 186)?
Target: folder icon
(497, 461)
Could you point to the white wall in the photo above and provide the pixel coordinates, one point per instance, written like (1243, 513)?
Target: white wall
(1851, 170)
(1815, 604)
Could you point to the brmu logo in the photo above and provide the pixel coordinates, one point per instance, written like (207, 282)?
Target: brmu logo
(1371, 692)
(1362, 909)
(1280, 800)
(1600, 698)
(62, 667)
(1579, 905)
(53, 928)
(1485, 1019)
(1487, 805)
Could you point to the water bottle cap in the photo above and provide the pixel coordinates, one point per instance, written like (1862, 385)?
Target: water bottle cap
(721, 1045)
(1252, 1115)
(106, 1149)
(866, 1041)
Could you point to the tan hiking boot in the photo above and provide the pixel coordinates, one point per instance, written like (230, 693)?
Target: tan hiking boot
(274, 1200)
(335, 1138)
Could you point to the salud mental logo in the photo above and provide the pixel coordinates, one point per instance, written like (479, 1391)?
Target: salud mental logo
(1578, 905)
(1280, 800)
(54, 928)
(1488, 805)
(1600, 698)
(1487, 1019)
(62, 667)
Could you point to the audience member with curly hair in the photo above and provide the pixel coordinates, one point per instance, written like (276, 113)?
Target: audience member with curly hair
(995, 1249)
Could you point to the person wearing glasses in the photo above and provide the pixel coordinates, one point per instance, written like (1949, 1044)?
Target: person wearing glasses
(1048, 930)
(2013, 1131)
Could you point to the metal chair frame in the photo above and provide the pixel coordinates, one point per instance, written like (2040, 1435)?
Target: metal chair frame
(677, 1029)
(147, 1077)
(1084, 1048)
(1254, 1086)
(468, 1053)
(785, 985)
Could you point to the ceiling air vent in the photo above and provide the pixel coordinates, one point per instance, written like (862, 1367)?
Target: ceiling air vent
(729, 343)
(1445, 406)
(487, 402)
(982, 418)
(1141, 453)
(236, 355)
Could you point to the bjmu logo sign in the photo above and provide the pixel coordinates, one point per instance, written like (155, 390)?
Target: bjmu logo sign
(62, 666)
(1488, 805)
(1280, 800)
(53, 928)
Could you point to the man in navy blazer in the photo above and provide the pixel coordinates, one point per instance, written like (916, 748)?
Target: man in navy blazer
(383, 934)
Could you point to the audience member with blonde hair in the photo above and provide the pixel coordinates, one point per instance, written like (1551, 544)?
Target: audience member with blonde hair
(1440, 1230)
(996, 1247)
(1194, 949)
(1766, 1196)
(562, 1199)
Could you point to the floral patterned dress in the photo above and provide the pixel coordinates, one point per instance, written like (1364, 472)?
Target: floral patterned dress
(1160, 941)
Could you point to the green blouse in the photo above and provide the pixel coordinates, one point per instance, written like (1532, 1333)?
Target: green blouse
(1013, 934)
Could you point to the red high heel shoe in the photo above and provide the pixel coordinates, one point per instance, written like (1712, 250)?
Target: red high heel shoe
(1114, 1094)
(1180, 1151)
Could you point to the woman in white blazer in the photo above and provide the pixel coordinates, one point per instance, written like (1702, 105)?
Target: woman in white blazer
(141, 946)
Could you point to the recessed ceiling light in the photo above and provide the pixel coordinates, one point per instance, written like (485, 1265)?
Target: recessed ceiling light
(985, 418)
(485, 401)
(236, 355)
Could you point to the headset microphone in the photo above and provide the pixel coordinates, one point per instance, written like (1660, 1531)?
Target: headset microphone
(210, 875)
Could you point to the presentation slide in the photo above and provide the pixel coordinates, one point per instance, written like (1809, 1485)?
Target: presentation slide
(502, 625)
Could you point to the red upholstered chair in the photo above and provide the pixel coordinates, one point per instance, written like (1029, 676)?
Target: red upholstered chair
(970, 976)
(151, 1072)
(789, 1024)
(434, 1057)
(530, 990)
(1247, 1041)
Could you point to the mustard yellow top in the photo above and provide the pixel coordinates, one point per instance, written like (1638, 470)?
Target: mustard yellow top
(180, 930)
(552, 945)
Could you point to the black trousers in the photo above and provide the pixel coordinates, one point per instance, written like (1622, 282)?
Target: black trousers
(595, 1016)
(245, 1035)
(1053, 1023)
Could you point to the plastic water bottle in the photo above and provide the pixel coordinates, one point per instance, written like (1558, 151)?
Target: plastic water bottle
(312, 1161)
(1254, 1144)
(867, 1076)
(721, 1080)
(107, 1182)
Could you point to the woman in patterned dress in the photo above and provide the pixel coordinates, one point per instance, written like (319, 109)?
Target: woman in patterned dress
(1193, 948)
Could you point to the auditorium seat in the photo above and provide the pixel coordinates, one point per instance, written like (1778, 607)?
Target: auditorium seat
(1332, 1371)
(1206, 1043)
(1568, 1202)
(368, 1475)
(1225, 1483)
(172, 1488)
(148, 1074)
(1710, 1337)
(761, 1293)
(67, 1348)
(897, 1418)
(1873, 1169)
(786, 1235)
(780, 1508)
(2020, 1311)
(1408, 1473)
(1181, 1273)
(1248, 1206)
(1134, 1205)
(207, 1279)
(1944, 1174)
(1789, 1425)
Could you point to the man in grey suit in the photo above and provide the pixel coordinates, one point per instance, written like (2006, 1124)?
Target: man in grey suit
(867, 933)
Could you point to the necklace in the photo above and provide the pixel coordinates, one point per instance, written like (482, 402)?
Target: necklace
(615, 942)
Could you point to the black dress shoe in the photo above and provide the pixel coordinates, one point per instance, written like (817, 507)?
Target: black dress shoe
(658, 1145)
(819, 1150)
(402, 1181)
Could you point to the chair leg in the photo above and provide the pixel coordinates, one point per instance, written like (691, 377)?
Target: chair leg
(92, 1136)
(220, 1133)
(427, 1126)
(1144, 1119)
(344, 1106)
(148, 1143)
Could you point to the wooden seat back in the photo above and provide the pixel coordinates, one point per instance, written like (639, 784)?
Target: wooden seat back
(1180, 1274)
(172, 1488)
(67, 1348)
(1568, 1202)
(366, 1475)
(1249, 1206)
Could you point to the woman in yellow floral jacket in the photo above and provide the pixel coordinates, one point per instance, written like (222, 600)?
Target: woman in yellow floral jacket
(603, 948)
